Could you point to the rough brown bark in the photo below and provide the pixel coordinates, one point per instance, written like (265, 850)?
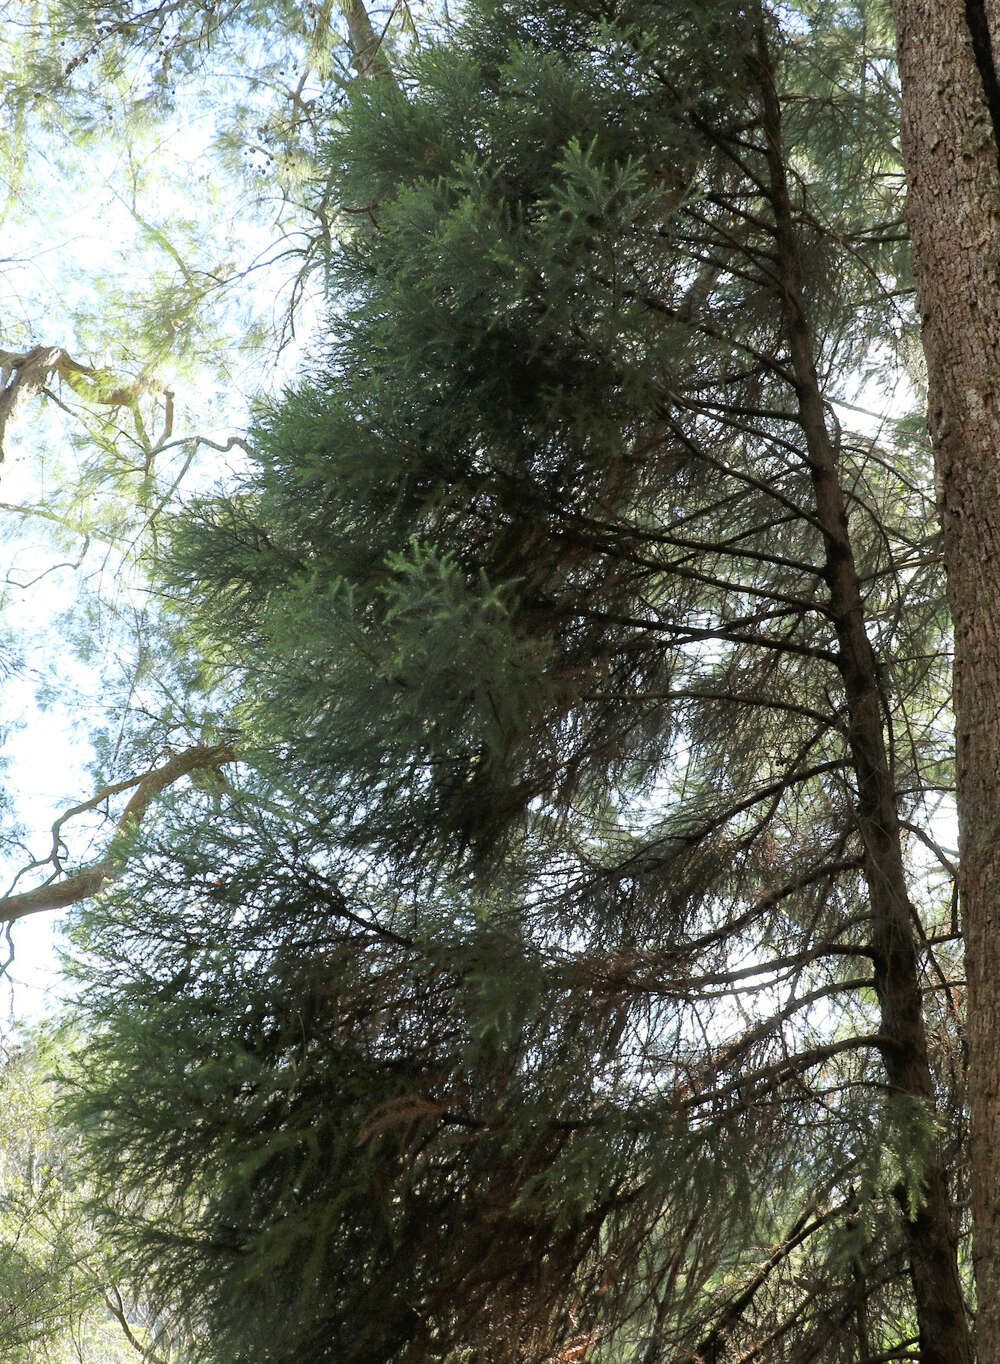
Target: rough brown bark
(932, 1242)
(951, 149)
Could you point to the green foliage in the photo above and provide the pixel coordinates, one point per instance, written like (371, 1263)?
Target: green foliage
(519, 992)
(515, 379)
(160, 193)
(322, 1102)
(54, 1284)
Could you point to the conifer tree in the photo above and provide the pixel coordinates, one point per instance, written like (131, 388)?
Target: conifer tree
(560, 948)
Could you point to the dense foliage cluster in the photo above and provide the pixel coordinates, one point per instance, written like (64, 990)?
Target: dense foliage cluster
(539, 984)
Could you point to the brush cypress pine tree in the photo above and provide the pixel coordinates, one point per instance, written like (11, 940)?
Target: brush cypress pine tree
(557, 982)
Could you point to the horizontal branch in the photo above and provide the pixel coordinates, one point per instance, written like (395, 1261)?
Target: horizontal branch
(753, 1085)
(769, 901)
(82, 884)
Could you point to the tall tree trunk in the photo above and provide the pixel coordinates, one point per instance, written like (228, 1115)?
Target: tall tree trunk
(367, 57)
(942, 1321)
(951, 146)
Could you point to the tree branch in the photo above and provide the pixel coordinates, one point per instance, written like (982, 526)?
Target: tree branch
(711, 1348)
(25, 373)
(80, 885)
